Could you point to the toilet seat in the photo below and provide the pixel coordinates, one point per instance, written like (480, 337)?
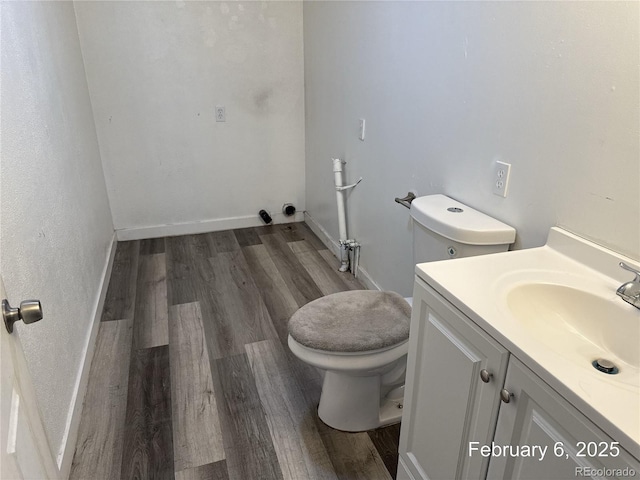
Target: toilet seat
(353, 362)
(353, 321)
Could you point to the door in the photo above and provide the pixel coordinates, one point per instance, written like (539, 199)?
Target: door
(25, 452)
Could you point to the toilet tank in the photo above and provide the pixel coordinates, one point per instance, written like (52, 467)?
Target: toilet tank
(444, 228)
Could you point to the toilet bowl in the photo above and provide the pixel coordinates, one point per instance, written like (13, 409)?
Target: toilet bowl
(360, 338)
(361, 391)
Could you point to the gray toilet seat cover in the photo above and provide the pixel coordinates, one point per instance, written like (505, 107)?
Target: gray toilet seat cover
(354, 321)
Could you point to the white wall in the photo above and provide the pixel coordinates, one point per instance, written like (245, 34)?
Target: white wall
(447, 88)
(55, 223)
(156, 71)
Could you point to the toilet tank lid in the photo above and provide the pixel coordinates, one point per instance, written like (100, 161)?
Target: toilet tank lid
(460, 223)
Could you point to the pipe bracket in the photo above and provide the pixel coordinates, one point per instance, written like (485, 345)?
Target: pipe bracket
(347, 187)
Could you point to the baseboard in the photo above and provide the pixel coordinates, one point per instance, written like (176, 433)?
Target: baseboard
(65, 456)
(322, 234)
(367, 280)
(191, 228)
(403, 471)
(334, 247)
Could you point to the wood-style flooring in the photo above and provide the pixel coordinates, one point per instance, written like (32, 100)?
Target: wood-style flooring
(192, 378)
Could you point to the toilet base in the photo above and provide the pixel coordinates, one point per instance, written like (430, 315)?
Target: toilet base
(354, 403)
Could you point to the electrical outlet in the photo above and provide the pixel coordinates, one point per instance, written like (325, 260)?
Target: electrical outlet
(501, 173)
(220, 115)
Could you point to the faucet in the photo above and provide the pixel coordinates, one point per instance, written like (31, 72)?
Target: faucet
(630, 291)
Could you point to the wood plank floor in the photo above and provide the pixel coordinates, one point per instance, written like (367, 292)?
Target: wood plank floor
(192, 377)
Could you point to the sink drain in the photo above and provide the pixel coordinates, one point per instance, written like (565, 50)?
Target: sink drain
(605, 366)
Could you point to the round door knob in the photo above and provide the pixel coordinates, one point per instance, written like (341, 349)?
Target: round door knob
(30, 311)
(505, 395)
(485, 376)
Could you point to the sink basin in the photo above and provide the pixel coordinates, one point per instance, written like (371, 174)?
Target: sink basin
(582, 322)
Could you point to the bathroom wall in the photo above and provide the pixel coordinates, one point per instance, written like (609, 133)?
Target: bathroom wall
(156, 71)
(446, 89)
(55, 223)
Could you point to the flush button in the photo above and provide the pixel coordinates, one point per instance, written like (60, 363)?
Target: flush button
(454, 210)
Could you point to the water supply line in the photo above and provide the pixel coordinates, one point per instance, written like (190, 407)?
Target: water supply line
(353, 255)
(349, 248)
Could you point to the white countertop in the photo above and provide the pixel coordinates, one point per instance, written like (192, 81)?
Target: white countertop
(477, 286)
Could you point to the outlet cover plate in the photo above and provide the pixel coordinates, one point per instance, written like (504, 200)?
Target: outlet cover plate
(220, 114)
(501, 173)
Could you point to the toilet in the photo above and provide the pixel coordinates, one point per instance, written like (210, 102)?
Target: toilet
(360, 338)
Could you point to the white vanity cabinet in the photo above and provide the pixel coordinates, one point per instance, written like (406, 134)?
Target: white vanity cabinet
(448, 405)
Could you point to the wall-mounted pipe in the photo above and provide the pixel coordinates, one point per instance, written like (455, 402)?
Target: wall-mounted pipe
(342, 214)
(347, 246)
(342, 219)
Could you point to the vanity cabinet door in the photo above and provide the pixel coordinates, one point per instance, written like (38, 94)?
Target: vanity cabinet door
(447, 405)
(537, 416)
